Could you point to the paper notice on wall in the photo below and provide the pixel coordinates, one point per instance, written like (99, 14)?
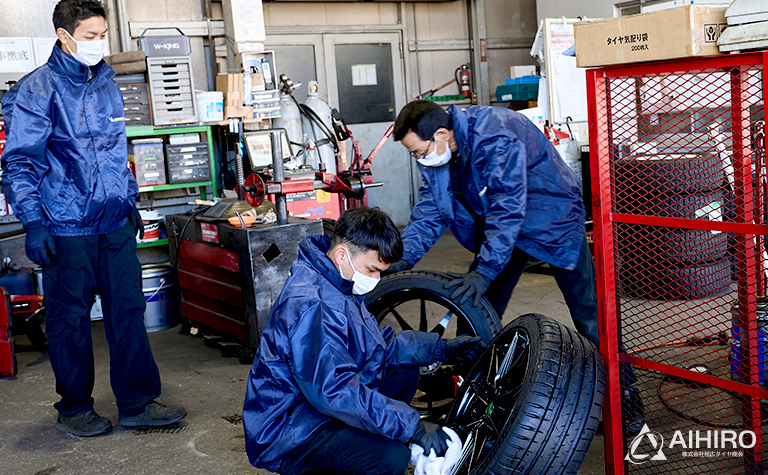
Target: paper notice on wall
(364, 75)
(16, 55)
(44, 48)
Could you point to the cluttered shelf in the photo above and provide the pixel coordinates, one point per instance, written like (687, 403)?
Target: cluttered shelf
(174, 186)
(159, 242)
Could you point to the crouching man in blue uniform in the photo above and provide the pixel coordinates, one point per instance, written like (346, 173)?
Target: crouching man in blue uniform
(65, 174)
(329, 391)
(493, 178)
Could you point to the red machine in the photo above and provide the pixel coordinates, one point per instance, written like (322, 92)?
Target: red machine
(7, 351)
(679, 192)
(350, 184)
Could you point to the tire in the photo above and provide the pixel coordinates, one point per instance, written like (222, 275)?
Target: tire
(544, 405)
(664, 246)
(35, 330)
(401, 287)
(418, 300)
(687, 205)
(329, 227)
(684, 282)
(670, 174)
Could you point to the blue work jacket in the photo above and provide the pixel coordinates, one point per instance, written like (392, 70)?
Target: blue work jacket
(322, 356)
(523, 193)
(66, 159)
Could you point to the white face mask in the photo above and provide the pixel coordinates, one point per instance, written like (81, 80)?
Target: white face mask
(433, 159)
(363, 283)
(90, 53)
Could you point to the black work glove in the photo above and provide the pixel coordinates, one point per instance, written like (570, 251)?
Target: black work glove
(138, 225)
(39, 244)
(473, 284)
(399, 266)
(463, 350)
(431, 436)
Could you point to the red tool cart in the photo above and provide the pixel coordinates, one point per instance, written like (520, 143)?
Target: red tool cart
(679, 193)
(7, 348)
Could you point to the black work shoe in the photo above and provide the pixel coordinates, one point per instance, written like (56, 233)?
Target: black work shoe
(84, 424)
(154, 415)
(632, 411)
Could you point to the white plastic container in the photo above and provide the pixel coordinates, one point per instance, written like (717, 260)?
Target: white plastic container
(151, 220)
(210, 106)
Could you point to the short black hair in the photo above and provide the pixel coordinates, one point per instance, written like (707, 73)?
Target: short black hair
(69, 13)
(369, 229)
(422, 118)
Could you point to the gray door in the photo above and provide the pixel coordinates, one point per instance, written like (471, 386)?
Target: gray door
(361, 75)
(365, 83)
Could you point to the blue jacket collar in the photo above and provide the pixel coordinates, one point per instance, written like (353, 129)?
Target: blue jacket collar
(313, 251)
(65, 65)
(460, 130)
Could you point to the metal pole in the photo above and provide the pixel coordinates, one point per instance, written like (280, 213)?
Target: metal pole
(123, 26)
(278, 173)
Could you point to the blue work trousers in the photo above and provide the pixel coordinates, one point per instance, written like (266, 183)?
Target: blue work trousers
(83, 265)
(577, 285)
(336, 448)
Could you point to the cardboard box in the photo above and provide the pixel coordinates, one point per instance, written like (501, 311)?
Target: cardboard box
(232, 87)
(681, 32)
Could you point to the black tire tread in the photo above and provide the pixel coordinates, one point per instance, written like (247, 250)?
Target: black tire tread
(558, 415)
(482, 316)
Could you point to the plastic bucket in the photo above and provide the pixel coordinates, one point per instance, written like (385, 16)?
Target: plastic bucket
(151, 220)
(158, 286)
(210, 106)
(762, 329)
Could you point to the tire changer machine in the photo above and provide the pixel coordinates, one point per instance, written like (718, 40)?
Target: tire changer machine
(229, 276)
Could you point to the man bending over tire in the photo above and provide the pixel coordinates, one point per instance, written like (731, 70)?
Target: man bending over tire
(329, 390)
(500, 186)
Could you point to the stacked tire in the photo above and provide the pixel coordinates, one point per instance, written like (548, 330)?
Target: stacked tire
(672, 263)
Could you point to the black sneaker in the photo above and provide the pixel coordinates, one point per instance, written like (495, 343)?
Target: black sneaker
(154, 415)
(632, 411)
(84, 424)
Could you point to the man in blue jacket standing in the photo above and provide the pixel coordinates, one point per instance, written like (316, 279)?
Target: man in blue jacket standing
(493, 178)
(329, 391)
(65, 174)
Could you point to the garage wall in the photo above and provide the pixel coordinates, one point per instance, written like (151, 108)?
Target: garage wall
(436, 34)
(582, 8)
(170, 11)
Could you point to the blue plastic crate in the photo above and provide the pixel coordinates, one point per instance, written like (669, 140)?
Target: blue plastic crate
(522, 80)
(517, 92)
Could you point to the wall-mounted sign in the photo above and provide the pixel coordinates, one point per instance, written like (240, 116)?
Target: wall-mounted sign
(16, 55)
(43, 49)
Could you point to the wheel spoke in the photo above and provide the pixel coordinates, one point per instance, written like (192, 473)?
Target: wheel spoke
(477, 449)
(423, 317)
(507, 363)
(442, 324)
(466, 451)
(403, 324)
(511, 394)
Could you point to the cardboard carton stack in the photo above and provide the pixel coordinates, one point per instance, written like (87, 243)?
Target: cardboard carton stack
(232, 87)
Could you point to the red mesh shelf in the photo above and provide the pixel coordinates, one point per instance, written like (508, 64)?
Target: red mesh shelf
(679, 191)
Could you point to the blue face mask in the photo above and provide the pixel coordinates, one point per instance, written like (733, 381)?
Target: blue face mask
(363, 283)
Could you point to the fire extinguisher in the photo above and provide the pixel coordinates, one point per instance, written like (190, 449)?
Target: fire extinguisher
(462, 80)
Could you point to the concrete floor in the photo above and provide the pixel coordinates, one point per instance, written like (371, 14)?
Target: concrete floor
(210, 387)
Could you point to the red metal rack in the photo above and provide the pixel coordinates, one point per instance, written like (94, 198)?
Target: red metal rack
(679, 193)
